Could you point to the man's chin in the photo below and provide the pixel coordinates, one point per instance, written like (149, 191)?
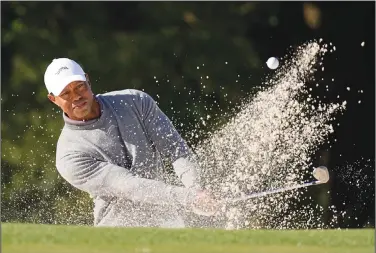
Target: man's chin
(81, 114)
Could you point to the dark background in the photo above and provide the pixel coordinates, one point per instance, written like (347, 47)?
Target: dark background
(133, 44)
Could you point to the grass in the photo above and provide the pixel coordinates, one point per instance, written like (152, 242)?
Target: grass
(75, 239)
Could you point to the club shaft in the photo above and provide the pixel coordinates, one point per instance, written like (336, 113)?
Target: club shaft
(261, 194)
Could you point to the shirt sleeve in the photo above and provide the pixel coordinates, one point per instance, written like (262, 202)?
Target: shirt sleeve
(100, 178)
(168, 141)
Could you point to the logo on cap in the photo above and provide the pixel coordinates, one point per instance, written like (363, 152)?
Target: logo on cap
(60, 69)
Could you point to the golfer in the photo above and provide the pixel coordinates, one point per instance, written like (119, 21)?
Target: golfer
(112, 146)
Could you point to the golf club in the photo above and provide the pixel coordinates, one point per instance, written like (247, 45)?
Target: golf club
(320, 173)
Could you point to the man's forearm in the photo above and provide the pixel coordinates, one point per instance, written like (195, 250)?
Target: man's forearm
(106, 179)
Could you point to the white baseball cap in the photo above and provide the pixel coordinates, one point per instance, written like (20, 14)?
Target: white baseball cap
(60, 73)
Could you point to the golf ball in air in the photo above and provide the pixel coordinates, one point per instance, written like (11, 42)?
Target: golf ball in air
(272, 63)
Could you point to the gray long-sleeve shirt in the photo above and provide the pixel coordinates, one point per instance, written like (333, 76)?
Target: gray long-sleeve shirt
(117, 159)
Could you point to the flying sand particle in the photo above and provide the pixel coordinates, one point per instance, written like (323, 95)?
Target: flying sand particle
(269, 143)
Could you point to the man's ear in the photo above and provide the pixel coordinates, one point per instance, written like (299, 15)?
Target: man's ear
(51, 98)
(88, 79)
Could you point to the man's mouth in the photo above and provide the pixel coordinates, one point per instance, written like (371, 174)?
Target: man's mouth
(79, 105)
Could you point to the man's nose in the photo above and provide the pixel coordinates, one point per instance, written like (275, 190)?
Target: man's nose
(76, 96)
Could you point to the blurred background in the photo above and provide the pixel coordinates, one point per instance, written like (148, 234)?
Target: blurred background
(186, 55)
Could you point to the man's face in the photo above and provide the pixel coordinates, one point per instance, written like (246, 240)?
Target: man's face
(76, 100)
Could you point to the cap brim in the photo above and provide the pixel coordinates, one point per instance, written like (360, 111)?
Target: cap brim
(59, 87)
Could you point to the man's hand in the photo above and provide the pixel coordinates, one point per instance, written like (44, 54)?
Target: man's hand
(205, 205)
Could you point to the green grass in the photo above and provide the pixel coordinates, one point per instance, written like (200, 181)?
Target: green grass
(63, 239)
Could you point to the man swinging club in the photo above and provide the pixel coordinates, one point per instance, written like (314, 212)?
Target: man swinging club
(112, 146)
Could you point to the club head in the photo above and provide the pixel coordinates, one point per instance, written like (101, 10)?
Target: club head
(321, 173)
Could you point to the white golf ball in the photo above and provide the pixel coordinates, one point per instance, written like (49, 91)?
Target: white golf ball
(321, 173)
(272, 63)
